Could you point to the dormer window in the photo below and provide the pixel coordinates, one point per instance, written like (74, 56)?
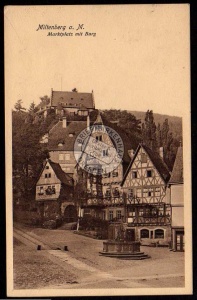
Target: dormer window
(71, 134)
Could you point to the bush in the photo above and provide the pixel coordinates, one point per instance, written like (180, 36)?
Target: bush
(96, 224)
(35, 222)
(51, 224)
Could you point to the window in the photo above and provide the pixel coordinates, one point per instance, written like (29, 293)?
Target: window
(103, 215)
(47, 167)
(48, 175)
(168, 211)
(132, 212)
(150, 192)
(111, 214)
(159, 234)
(108, 193)
(139, 193)
(149, 173)
(118, 214)
(144, 233)
(94, 179)
(143, 158)
(134, 174)
(145, 192)
(140, 212)
(40, 191)
(157, 191)
(50, 190)
(67, 156)
(116, 192)
(130, 194)
(160, 211)
(99, 137)
(105, 152)
(61, 156)
(106, 175)
(115, 174)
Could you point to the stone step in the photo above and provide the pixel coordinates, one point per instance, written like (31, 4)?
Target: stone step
(122, 253)
(136, 256)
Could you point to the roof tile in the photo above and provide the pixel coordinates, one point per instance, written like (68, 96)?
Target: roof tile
(69, 99)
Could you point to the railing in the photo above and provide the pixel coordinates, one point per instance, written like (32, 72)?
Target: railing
(105, 201)
(40, 196)
(145, 219)
(94, 201)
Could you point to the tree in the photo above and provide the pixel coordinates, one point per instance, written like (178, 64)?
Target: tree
(18, 106)
(32, 108)
(28, 153)
(149, 131)
(124, 119)
(45, 100)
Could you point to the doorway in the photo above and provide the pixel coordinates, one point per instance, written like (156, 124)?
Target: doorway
(180, 240)
(70, 214)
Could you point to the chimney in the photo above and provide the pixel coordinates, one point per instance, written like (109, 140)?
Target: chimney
(131, 153)
(88, 121)
(161, 152)
(64, 122)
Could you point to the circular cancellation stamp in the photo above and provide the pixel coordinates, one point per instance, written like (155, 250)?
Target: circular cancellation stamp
(98, 149)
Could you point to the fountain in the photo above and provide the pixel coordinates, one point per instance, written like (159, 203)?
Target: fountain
(119, 246)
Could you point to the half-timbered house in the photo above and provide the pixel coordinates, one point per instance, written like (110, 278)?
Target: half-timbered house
(148, 212)
(54, 193)
(104, 198)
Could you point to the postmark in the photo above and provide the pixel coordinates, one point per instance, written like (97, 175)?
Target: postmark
(98, 149)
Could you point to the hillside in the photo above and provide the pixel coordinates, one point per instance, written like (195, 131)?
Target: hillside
(175, 123)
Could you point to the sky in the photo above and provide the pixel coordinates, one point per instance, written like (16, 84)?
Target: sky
(138, 59)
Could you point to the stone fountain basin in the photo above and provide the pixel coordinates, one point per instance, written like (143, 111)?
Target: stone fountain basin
(123, 250)
(121, 246)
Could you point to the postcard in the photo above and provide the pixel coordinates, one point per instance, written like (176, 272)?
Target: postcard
(98, 150)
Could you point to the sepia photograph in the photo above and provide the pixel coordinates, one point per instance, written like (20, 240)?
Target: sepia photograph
(98, 150)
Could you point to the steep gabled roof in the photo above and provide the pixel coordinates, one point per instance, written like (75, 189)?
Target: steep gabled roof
(61, 175)
(156, 160)
(58, 134)
(72, 99)
(177, 172)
